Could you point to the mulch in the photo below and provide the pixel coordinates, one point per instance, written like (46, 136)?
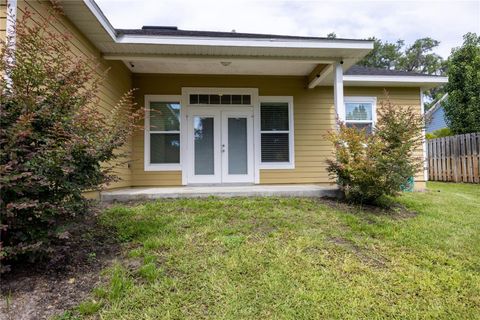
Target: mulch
(42, 290)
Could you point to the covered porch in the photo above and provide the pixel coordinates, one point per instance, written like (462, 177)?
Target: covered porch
(222, 191)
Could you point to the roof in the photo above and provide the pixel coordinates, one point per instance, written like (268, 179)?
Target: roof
(167, 49)
(369, 71)
(436, 106)
(174, 31)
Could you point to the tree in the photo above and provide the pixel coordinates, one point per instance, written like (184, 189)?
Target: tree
(54, 142)
(419, 57)
(332, 35)
(384, 55)
(462, 107)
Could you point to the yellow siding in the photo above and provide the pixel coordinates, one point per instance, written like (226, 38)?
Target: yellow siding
(117, 80)
(399, 97)
(3, 20)
(313, 117)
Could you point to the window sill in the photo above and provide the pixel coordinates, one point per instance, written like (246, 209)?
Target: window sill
(163, 167)
(273, 166)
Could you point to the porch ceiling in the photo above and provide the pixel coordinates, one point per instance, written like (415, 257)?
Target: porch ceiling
(222, 66)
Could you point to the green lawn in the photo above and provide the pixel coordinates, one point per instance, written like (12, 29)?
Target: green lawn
(295, 259)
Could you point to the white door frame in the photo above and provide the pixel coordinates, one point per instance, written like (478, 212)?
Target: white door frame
(184, 152)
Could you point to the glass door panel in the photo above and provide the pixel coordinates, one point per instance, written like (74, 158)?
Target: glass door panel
(204, 145)
(203, 148)
(237, 146)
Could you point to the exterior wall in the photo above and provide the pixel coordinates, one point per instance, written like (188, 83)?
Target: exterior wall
(399, 97)
(3, 19)
(437, 121)
(314, 115)
(117, 80)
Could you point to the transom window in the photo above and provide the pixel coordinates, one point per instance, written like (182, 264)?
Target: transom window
(360, 112)
(276, 132)
(162, 133)
(242, 99)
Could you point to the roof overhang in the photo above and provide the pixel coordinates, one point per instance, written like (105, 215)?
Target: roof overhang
(312, 58)
(175, 54)
(425, 82)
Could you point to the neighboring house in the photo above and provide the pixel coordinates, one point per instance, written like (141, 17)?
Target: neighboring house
(435, 117)
(225, 107)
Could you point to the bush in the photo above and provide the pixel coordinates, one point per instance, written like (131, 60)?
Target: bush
(440, 133)
(55, 143)
(370, 166)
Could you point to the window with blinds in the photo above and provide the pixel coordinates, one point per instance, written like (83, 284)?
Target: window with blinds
(275, 132)
(164, 132)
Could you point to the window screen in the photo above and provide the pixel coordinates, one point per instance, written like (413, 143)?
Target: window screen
(275, 132)
(164, 131)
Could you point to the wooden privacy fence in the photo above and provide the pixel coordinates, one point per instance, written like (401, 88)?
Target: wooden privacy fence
(455, 158)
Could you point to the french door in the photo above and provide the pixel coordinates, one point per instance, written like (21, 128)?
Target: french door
(220, 145)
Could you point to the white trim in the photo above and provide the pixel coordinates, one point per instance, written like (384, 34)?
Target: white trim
(146, 161)
(321, 76)
(187, 91)
(424, 142)
(369, 79)
(97, 12)
(291, 133)
(246, 42)
(253, 92)
(361, 99)
(195, 58)
(338, 91)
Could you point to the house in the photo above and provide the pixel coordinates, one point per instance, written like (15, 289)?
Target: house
(227, 107)
(435, 117)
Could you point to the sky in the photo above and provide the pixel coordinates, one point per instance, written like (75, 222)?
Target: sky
(443, 20)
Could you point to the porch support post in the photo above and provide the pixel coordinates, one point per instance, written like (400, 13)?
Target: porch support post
(338, 91)
(424, 143)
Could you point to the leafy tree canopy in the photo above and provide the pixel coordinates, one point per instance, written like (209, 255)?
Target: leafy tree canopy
(462, 107)
(418, 57)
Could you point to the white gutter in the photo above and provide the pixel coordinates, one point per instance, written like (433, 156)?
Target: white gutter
(244, 42)
(389, 79)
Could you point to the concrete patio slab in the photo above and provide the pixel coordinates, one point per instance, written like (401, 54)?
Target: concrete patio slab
(224, 191)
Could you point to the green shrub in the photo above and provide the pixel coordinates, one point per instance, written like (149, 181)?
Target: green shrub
(440, 133)
(370, 166)
(55, 143)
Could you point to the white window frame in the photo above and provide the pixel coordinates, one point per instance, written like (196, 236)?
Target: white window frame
(361, 99)
(160, 166)
(291, 136)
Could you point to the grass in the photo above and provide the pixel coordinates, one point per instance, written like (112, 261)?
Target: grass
(295, 259)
